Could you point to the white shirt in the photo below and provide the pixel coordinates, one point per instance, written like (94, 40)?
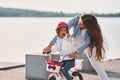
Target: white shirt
(64, 47)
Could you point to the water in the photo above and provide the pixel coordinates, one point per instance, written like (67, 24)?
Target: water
(21, 36)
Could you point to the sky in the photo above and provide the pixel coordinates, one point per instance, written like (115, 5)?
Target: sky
(67, 6)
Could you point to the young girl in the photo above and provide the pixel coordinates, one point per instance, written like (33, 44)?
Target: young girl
(64, 45)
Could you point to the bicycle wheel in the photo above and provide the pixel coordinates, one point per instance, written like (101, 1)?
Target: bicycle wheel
(77, 76)
(52, 78)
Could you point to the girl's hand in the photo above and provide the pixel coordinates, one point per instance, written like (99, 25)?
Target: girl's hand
(68, 35)
(47, 49)
(73, 55)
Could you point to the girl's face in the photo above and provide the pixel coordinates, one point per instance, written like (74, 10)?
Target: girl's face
(80, 24)
(63, 32)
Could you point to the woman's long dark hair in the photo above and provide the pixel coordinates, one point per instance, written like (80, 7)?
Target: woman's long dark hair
(90, 22)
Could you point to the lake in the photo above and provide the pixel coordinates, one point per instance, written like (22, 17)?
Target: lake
(20, 36)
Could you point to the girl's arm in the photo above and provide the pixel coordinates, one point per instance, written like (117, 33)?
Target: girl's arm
(48, 48)
(53, 41)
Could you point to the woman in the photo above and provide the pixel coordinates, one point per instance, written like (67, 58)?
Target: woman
(87, 29)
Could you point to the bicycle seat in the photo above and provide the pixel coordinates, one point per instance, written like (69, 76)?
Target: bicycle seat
(52, 62)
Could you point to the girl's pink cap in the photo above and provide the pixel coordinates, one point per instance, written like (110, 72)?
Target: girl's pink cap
(62, 25)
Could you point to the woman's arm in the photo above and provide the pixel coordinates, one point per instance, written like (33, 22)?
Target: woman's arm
(84, 45)
(81, 48)
(73, 22)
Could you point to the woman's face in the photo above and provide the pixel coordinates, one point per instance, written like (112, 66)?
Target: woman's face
(80, 24)
(63, 32)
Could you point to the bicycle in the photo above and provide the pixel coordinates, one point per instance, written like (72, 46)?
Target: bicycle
(53, 67)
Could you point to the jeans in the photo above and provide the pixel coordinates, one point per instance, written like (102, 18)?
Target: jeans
(67, 65)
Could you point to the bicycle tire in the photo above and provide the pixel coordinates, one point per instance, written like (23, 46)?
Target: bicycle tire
(77, 74)
(52, 78)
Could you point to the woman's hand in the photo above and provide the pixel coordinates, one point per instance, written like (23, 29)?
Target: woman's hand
(73, 55)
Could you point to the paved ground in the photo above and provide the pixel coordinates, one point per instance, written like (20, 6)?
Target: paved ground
(112, 68)
(15, 71)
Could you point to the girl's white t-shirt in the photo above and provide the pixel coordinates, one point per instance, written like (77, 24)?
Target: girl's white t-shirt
(66, 46)
(63, 47)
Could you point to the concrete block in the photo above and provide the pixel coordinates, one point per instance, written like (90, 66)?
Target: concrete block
(36, 66)
(86, 63)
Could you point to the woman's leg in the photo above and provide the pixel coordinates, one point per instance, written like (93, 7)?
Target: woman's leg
(97, 66)
(68, 64)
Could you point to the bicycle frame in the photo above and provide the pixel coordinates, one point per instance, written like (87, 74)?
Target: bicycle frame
(53, 67)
